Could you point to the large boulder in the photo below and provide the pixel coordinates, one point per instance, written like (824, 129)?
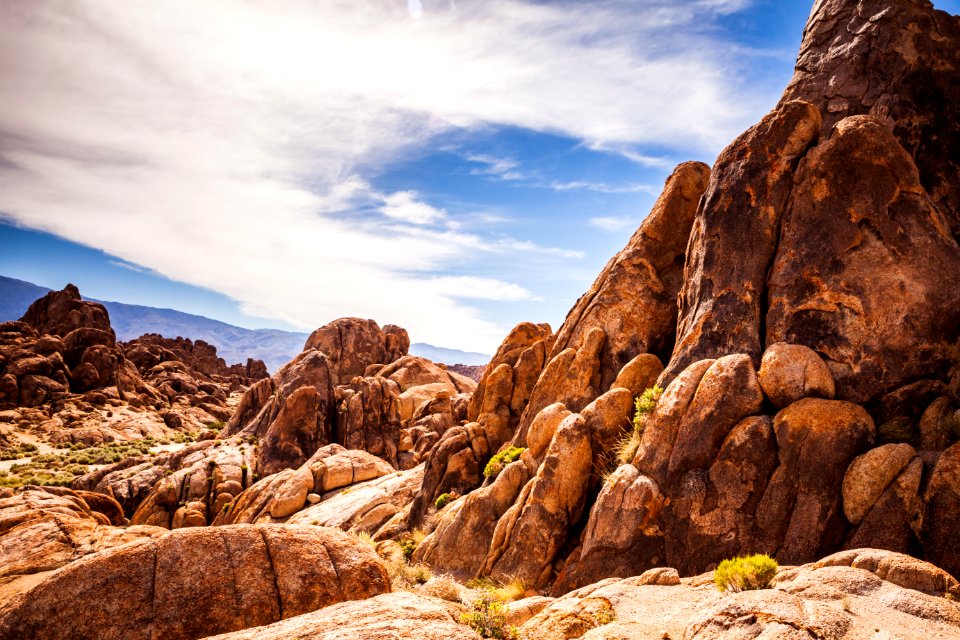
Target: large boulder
(941, 505)
(789, 372)
(279, 496)
(60, 312)
(353, 344)
(45, 528)
(860, 228)
(197, 582)
(801, 515)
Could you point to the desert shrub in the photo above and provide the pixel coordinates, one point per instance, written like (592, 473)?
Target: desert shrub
(488, 617)
(745, 573)
(643, 406)
(501, 460)
(443, 500)
(366, 539)
(442, 587)
(410, 541)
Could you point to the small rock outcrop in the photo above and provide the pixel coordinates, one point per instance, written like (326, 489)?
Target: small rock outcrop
(195, 583)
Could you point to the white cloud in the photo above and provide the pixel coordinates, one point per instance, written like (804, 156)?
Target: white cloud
(406, 206)
(612, 223)
(481, 289)
(232, 144)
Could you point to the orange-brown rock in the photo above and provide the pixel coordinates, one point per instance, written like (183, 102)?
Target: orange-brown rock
(465, 530)
(634, 298)
(893, 241)
(292, 416)
(897, 59)
(941, 501)
(721, 304)
(789, 372)
(276, 497)
(800, 515)
(367, 507)
(639, 374)
(622, 535)
(60, 312)
(571, 377)
(858, 594)
(198, 582)
(494, 410)
(353, 344)
(391, 616)
(529, 536)
(44, 528)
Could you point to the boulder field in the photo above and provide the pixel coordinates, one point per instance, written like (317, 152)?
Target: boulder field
(770, 365)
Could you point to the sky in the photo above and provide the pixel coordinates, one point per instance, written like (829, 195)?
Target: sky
(451, 166)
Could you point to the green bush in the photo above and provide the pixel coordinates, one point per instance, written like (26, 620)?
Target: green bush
(501, 460)
(745, 573)
(643, 406)
(489, 618)
(443, 500)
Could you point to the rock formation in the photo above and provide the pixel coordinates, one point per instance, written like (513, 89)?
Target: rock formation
(197, 582)
(817, 345)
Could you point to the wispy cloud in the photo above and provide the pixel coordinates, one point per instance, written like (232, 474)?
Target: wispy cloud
(500, 168)
(602, 187)
(471, 287)
(232, 145)
(613, 223)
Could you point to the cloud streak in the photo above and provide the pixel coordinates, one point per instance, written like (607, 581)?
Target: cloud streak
(232, 145)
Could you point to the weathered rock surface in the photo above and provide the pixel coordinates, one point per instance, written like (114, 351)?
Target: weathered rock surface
(195, 583)
(800, 514)
(897, 59)
(831, 283)
(200, 357)
(721, 304)
(60, 312)
(366, 506)
(941, 506)
(789, 372)
(44, 528)
(634, 298)
(454, 463)
(869, 593)
(391, 616)
(462, 537)
(353, 344)
(279, 496)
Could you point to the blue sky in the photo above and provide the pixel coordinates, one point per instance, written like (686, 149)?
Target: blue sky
(453, 167)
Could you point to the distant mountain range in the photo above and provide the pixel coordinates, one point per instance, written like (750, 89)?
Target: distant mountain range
(234, 344)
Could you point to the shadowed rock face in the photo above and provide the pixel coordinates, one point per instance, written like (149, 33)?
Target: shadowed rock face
(892, 58)
(734, 238)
